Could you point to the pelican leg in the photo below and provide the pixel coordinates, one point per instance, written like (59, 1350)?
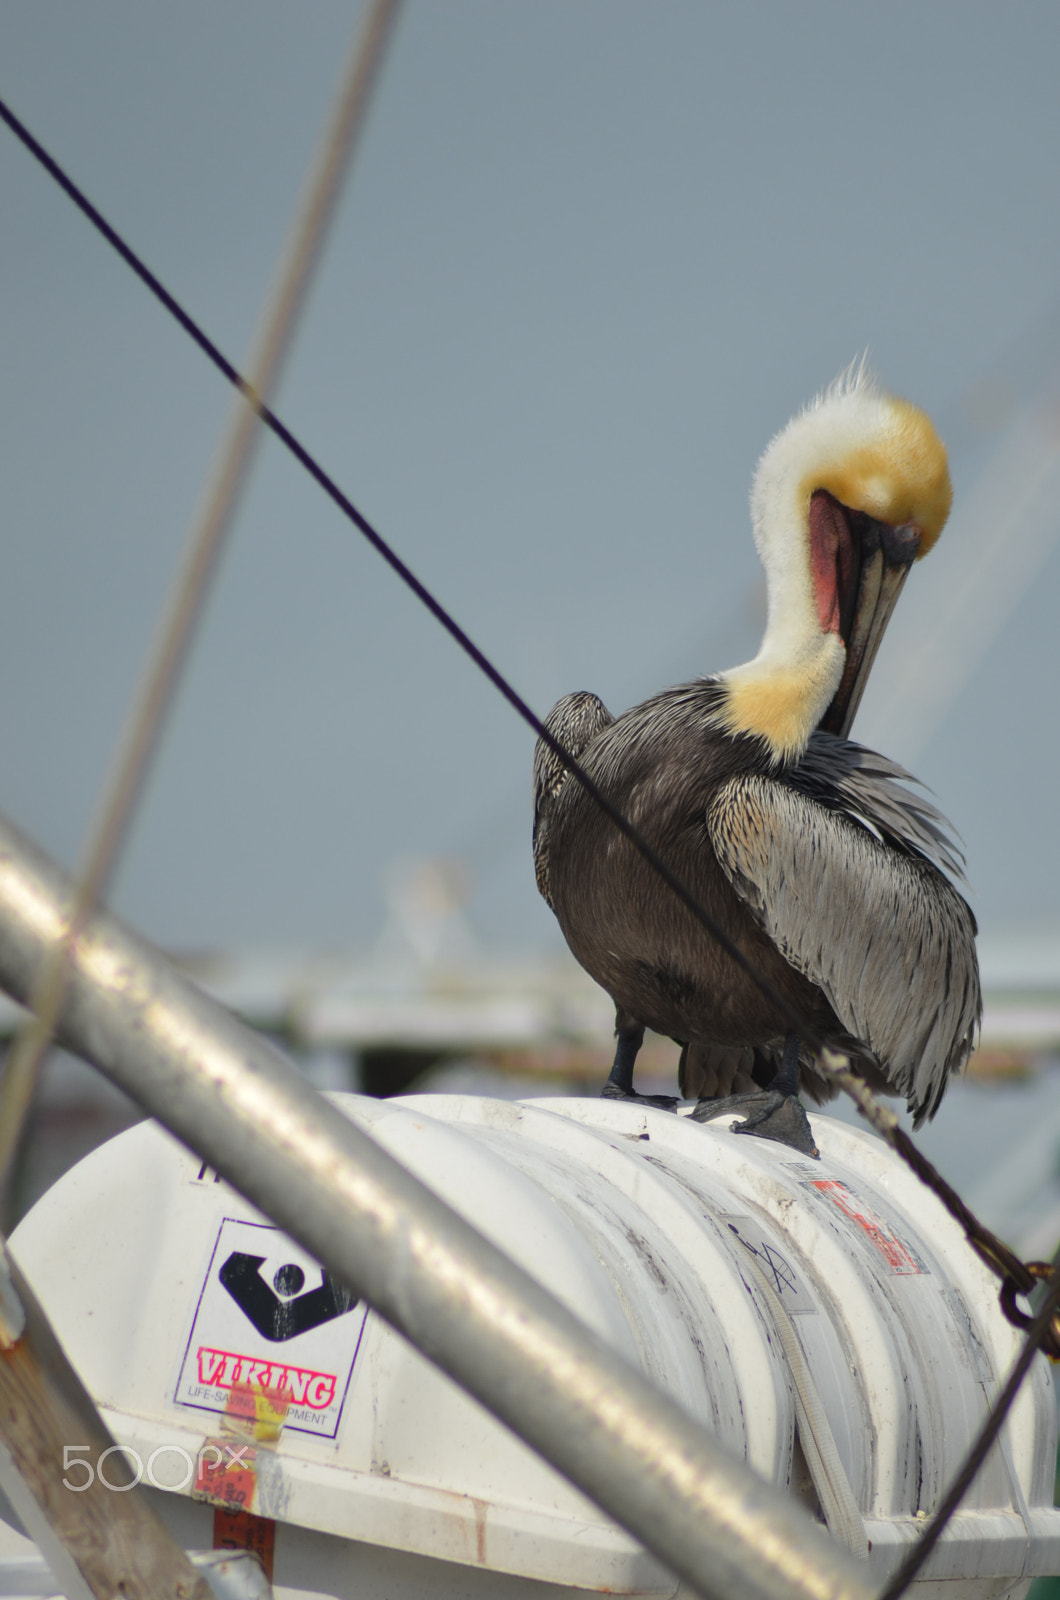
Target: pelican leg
(786, 1078)
(619, 1085)
(776, 1113)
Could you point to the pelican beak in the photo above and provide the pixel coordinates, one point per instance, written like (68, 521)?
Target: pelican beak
(883, 556)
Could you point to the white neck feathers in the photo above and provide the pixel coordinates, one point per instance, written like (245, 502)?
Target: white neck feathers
(873, 453)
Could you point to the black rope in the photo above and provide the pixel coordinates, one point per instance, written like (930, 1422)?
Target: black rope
(407, 576)
(1038, 1332)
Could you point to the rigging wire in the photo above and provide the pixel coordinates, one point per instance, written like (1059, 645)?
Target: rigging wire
(403, 571)
(1018, 1277)
(184, 603)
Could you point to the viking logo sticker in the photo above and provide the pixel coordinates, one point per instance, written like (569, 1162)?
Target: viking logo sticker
(281, 1312)
(270, 1323)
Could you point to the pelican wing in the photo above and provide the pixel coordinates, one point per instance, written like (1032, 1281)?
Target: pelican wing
(839, 772)
(575, 721)
(849, 897)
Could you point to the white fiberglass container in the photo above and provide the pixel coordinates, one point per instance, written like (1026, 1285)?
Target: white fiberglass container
(755, 1285)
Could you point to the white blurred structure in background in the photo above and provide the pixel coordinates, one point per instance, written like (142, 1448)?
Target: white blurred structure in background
(428, 1008)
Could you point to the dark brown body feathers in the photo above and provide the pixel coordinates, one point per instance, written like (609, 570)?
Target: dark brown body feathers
(832, 849)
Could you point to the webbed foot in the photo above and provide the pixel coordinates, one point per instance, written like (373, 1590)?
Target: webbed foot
(775, 1113)
(619, 1086)
(615, 1091)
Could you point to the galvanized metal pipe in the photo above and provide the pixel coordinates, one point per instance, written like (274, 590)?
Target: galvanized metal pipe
(233, 1099)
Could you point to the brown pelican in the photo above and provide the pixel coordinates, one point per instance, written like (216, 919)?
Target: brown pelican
(827, 873)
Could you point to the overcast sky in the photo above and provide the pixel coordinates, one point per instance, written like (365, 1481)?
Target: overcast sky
(592, 255)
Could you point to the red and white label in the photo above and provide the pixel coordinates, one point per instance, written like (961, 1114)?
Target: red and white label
(225, 1369)
(899, 1256)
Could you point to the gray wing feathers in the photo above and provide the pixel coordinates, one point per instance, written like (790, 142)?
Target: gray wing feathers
(864, 782)
(889, 941)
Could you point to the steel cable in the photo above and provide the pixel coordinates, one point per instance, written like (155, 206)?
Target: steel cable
(1017, 1277)
(403, 571)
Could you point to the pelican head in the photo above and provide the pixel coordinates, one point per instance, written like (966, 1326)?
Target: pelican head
(845, 499)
